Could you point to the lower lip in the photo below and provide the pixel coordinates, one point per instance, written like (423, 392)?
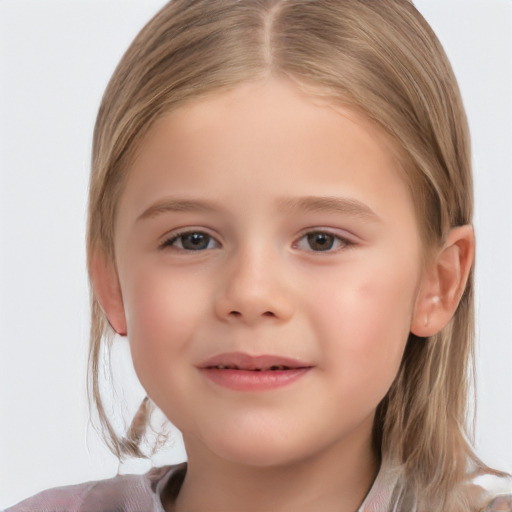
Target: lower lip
(246, 380)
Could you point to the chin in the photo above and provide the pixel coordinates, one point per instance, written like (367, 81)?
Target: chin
(257, 448)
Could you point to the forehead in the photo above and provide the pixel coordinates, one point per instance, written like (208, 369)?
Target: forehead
(257, 106)
(265, 140)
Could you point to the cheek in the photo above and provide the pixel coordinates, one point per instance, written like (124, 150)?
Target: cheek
(365, 322)
(161, 311)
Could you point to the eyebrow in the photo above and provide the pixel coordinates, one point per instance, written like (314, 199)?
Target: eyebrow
(178, 205)
(342, 205)
(330, 204)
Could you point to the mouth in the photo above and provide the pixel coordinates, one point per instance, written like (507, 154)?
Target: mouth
(242, 372)
(246, 362)
(273, 368)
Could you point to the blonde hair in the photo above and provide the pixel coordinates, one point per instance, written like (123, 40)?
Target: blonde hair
(382, 58)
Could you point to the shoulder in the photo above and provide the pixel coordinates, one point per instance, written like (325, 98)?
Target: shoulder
(499, 492)
(501, 503)
(123, 493)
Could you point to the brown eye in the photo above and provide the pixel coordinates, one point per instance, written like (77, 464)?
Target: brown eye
(322, 241)
(192, 241)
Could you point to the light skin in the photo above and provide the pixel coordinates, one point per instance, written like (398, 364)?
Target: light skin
(264, 221)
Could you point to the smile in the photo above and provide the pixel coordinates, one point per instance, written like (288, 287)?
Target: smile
(272, 368)
(242, 372)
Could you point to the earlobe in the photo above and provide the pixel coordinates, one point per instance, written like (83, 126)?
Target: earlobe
(107, 289)
(444, 283)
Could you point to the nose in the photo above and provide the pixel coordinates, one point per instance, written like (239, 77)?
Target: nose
(253, 289)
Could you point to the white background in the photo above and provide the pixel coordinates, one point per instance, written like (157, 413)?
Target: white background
(55, 60)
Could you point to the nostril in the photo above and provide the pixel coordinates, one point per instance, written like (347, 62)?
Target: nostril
(238, 314)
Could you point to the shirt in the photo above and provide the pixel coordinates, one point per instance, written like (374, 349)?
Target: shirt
(142, 493)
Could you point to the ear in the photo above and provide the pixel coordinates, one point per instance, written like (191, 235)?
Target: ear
(105, 282)
(444, 283)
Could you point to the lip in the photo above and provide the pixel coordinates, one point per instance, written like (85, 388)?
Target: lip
(243, 372)
(242, 361)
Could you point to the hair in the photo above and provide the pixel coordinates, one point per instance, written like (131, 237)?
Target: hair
(382, 59)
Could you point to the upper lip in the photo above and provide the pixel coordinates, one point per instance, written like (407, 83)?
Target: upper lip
(241, 361)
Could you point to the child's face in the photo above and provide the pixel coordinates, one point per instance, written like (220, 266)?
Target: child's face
(263, 222)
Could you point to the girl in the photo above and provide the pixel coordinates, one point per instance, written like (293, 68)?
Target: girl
(280, 223)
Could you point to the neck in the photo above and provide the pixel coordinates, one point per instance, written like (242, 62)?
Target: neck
(336, 480)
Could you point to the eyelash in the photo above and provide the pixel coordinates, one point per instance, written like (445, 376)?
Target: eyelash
(340, 241)
(337, 240)
(169, 242)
